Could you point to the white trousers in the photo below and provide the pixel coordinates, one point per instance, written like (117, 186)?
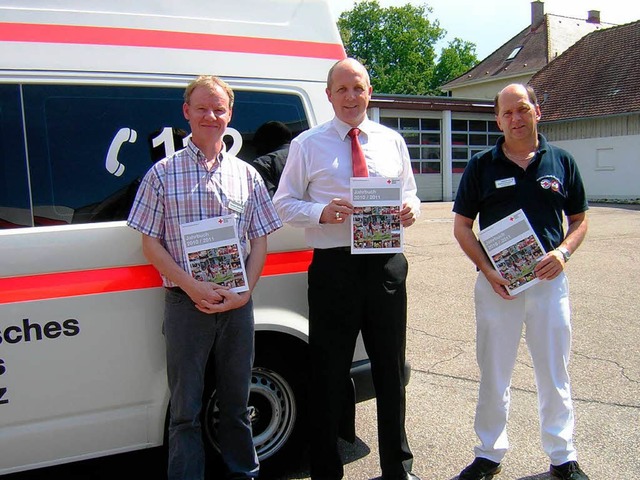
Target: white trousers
(544, 311)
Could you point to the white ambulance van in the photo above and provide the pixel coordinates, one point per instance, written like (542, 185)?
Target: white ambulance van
(90, 96)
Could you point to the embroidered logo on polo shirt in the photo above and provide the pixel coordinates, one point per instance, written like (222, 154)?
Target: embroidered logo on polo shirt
(550, 183)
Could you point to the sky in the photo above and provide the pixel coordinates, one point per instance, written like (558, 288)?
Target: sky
(491, 23)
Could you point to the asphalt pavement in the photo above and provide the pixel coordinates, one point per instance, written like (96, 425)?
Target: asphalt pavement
(604, 281)
(604, 278)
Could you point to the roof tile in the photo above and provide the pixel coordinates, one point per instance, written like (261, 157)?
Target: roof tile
(597, 76)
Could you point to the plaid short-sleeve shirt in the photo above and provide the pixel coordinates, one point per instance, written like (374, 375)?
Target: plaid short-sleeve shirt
(179, 189)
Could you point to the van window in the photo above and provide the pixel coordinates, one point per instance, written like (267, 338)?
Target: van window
(89, 146)
(14, 184)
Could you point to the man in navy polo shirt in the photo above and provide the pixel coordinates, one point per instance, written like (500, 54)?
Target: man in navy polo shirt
(523, 172)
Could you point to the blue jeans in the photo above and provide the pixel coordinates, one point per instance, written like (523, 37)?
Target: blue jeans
(191, 336)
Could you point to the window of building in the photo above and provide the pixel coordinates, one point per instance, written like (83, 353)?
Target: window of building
(514, 52)
(422, 136)
(391, 122)
(409, 124)
(469, 137)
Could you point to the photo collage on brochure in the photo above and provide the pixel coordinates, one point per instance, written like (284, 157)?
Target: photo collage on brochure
(213, 252)
(375, 223)
(514, 250)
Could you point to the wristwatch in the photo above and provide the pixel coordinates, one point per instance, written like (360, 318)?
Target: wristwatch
(566, 254)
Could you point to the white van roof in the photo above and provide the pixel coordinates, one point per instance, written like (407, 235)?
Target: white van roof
(292, 39)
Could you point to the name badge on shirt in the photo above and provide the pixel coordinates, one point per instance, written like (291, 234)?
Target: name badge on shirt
(235, 206)
(505, 182)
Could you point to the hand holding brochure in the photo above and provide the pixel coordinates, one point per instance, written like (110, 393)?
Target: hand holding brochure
(213, 252)
(514, 250)
(375, 223)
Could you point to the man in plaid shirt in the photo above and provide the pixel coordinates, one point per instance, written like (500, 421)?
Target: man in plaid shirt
(198, 182)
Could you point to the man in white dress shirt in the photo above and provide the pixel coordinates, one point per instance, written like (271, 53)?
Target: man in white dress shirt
(348, 293)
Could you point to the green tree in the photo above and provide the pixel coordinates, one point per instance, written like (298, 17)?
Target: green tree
(457, 58)
(397, 45)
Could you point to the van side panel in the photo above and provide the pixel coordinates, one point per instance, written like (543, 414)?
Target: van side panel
(86, 396)
(243, 39)
(90, 98)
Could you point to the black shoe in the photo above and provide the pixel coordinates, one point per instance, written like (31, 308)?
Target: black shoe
(406, 476)
(568, 471)
(480, 469)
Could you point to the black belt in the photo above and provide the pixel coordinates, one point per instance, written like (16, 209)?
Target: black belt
(347, 250)
(335, 249)
(176, 290)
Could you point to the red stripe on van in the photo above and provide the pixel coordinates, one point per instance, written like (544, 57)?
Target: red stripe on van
(50, 286)
(287, 262)
(70, 284)
(131, 37)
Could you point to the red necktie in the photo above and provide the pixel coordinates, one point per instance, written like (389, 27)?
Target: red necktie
(357, 155)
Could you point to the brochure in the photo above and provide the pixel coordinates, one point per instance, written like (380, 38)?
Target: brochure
(375, 222)
(514, 250)
(213, 253)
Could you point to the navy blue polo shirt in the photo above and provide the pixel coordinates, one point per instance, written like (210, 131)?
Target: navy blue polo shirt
(493, 187)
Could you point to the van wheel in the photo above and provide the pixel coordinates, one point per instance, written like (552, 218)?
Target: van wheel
(277, 406)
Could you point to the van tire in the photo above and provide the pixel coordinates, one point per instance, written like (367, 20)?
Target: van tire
(277, 403)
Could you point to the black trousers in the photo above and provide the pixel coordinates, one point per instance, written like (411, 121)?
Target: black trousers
(349, 294)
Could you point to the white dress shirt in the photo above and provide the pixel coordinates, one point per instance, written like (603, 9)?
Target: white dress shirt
(318, 169)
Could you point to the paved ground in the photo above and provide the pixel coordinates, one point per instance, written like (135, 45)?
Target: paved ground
(605, 369)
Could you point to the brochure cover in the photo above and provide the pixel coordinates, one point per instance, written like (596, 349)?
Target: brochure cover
(375, 222)
(514, 250)
(213, 252)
